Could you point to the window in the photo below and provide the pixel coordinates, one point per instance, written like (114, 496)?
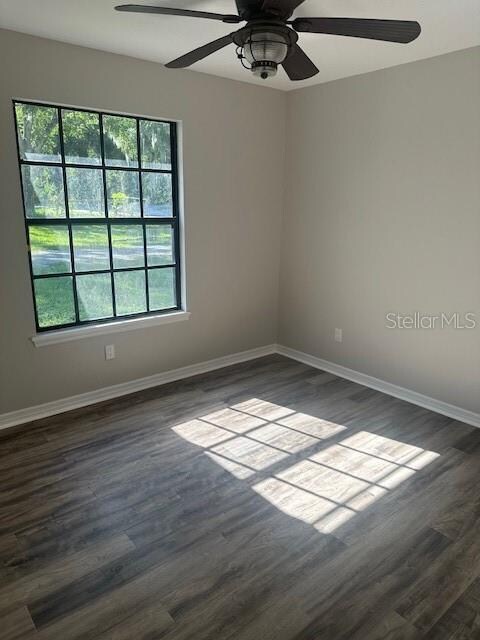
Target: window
(100, 196)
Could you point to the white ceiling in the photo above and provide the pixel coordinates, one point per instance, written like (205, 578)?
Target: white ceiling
(448, 25)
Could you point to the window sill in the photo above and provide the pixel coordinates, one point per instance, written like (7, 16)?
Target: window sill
(77, 333)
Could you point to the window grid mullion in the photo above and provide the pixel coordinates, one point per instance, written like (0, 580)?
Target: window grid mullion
(67, 215)
(107, 215)
(142, 214)
(44, 276)
(105, 221)
(103, 165)
(176, 213)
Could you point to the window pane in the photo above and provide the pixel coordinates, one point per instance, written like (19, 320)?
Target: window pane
(90, 247)
(54, 300)
(43, 191)
(127, 246)
(85, 193)
(161, 288)
(160, 245)
(50, 249)
(94, 294)
(157, 195)
(155, 145)
(81, 137)
(38, 137)
(120, 141)
(130, 295)
(123, 194)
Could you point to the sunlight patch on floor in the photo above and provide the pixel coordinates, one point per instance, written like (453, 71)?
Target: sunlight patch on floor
(249, 452)
(234, 420)
(263, 409)
(237, 470)
(311, 426)
(285, 457)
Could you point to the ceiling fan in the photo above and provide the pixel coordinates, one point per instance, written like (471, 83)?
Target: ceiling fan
(270, 38)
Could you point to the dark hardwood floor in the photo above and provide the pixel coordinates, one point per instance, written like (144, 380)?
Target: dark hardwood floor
(264, 501)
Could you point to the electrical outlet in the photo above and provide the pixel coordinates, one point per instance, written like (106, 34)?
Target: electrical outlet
(109, 352)
(338, 335)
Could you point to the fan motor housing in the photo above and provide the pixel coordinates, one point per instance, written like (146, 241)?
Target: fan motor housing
(243, 35)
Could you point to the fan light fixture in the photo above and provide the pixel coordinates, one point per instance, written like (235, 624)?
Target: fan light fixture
(263, 46)
(264, 51)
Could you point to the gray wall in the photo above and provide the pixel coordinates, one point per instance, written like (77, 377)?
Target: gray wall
(233, 152)
(383, 214)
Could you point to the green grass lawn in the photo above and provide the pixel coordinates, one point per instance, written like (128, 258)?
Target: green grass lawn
(55, 302)
(43, 236)
(54, 296)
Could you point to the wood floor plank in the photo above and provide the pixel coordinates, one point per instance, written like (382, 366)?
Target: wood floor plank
(386, 574)
(390, 626)
(49, 577)
(150, 621)
(462, 619)
(16, 624)
(104, 615)
(444, 582)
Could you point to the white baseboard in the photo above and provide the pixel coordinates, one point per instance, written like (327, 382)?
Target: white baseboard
(107, 393)
(450, 410)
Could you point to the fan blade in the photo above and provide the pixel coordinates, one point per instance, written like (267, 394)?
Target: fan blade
(140, 8)
(298, 65)
(388, 30)
(200, 53)
(282, 8)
